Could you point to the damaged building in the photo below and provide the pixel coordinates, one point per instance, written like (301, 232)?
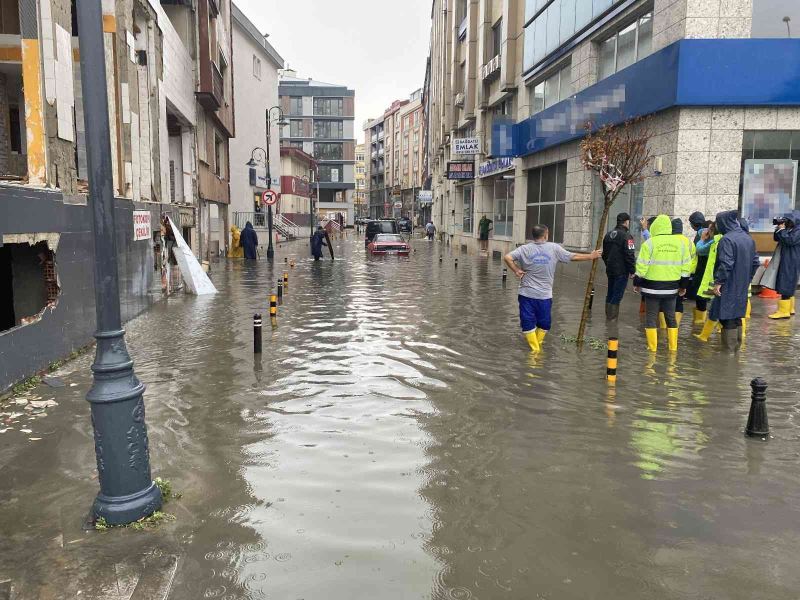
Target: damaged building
(170, 102)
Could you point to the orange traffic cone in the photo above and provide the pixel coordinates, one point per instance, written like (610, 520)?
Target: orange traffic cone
(766, 292)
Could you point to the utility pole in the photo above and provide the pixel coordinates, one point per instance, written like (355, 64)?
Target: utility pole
(127, 492)
(280, 122)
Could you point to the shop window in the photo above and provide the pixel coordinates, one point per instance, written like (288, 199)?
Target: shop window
(630, 200)
(631, 43)
(296, 128)
(28, 283)
(468, 208)
(503, 207)
(547, 191)
(553, 89)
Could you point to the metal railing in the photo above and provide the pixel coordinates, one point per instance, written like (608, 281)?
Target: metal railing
(285, 227)
(217, 83)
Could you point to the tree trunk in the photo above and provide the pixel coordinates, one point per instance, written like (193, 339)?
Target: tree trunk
(608, 201)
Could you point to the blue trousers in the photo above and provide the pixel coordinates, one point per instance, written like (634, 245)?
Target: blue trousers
(616, 289)
(534, 313)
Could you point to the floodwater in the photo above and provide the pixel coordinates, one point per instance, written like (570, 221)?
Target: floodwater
(397, 440)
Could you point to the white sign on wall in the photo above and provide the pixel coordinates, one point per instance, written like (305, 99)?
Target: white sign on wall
(141, 225)
(466, 145)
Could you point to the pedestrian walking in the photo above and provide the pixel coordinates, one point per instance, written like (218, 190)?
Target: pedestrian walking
(619, 256)
(534, 264)
(430, 231)
(698, 222)
(484, 227)
(662, 274)
(787, 234)
(317, 242)
(248, 240)
(736, 264)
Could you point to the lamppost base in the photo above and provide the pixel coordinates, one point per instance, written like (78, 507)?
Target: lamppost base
(120, 510)
(270, 253)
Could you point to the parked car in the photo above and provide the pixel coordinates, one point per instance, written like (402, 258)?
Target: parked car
(376, 227)
(389, 243)
(404, 224)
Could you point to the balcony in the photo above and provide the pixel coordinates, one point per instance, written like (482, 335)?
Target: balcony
(211, 98)
(380, 136)
(460, 99)
(380, 152)
(491, 70)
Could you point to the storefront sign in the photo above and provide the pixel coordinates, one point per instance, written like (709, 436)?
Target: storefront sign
(141, 225)
(258, 177)
(496, 165)
(398, 204)
(295, 185)
(425, 197)
(187, 217)
(461, 170)
(466, 145)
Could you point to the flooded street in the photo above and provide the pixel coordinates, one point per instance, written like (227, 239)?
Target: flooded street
(396, 440)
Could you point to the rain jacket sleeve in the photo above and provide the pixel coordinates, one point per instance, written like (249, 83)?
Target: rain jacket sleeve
(789, 267)
(725, 261)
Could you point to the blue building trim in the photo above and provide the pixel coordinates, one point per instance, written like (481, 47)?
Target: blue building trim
(741, 72)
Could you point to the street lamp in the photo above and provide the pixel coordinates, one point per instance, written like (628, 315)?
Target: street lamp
(280, 121)
(252, 163)
(127, 492)
(788, 29)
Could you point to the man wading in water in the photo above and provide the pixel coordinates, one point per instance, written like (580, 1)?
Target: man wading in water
(535, 265)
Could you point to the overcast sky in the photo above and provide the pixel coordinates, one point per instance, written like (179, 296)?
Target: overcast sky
(376, 47)
(768, 18)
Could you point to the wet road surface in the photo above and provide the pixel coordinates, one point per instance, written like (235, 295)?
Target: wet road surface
(396, 440)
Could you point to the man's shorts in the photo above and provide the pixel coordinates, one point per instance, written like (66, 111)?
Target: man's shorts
(484, 237)
(534, 313)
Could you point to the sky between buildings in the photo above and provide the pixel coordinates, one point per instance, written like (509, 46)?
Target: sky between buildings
(377, 47)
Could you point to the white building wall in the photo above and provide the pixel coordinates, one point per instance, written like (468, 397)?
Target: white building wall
(308, 105)
(253, 98)
(349, 130)
(179, 84)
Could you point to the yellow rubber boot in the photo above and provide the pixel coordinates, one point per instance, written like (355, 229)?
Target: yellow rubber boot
(678, 318)
(699, 317)
(540, 333)
(672, 339)
(662, 322)
(708, 329)
(784, 310)
(791, 308)
(533, 341)
(749, 308)
(652, 339)
(744, 329)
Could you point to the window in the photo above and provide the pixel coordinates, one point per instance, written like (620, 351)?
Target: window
(405, 144)
(329, 130)
(467, 219)
(547, 192)
(295, 144)
(219, 156)
(256, 67)
(503, 206)
(629, 200)
(554, 89)
(329, 107)
(295, 105)
(295, 128)
(329, 174)
(633, 42)
(497, 40)
(328, 151)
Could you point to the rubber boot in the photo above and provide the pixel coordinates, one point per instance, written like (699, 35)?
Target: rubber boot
(784, 310)
(678, 318)
(742, 331)
(749, 308)
(662, 321)
(708, 329)
(533, 340)
(672, 339)
(730, 339)
(791, 308)
(652, 339)
(540, 333)
(699, 317)
(612, 311)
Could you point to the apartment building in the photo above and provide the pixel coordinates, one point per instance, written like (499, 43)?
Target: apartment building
(360, 195)
(375, 168)
(321, 123)
(255, 75)
(513, 84)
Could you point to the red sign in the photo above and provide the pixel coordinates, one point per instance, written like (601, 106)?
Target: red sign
(295, 185)
(269, 197)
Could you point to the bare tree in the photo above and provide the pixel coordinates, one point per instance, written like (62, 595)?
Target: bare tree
(619, 155)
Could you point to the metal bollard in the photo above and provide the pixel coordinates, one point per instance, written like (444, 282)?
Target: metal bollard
(505, 274)
(757, 422)
(440, 259)
(591, 299)
(280, 290)
(456, 263)
(611, 361)
(257, 333)
(285, 259)
(273, 306)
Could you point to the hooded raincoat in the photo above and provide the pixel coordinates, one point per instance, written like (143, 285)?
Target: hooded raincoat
(734, 269)
(249, 241)
(664, 262)
(317, 242)
(789, 267)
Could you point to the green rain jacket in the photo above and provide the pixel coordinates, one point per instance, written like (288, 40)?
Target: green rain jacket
(664, 262)
(708, 276)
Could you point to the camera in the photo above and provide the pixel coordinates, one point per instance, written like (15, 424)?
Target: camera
(779, 221)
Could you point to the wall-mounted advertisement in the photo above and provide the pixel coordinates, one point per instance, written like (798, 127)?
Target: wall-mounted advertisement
(466, 146)
(768, 191)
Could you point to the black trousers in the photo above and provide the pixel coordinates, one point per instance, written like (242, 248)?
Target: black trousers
(701, 303)
(786, 297)
(656, 304)
(731, 323)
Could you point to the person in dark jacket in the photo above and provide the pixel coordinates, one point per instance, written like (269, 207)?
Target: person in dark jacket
(619, 255)
(734, 269)
(317, 242)
(249, 241)
(787, 234)
(699, 224)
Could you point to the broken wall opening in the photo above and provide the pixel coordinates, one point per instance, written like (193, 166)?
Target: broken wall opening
(28, 283)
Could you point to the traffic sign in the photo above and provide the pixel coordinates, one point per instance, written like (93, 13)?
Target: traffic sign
(269, 197)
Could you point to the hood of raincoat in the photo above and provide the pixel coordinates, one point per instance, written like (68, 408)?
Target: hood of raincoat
(661, 226)
(728, 221)
(697, 219)
(248, 225)
(744, 224)
(677, 226)
(793, 216)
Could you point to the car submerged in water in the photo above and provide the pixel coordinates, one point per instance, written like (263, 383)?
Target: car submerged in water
(377, 227)
(389, 243)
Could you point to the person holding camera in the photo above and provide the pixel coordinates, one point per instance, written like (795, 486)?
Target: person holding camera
(787, 234)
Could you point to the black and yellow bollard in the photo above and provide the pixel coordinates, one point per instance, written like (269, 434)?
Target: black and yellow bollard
(440, 259)
(456, 263)
(280, 290)
(757, 422)
(273, 306)
(611, 361)
(285, 259)
(591, 300)
(291, 263)
(257, 333)
(505, 274)
(286, 279)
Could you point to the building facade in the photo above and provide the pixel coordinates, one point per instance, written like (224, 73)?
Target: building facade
(360, 195)
(321, 123)
(522, 79)
(255, 76)
(297, 185)
(375, 168)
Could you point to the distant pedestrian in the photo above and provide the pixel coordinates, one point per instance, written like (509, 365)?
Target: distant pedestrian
(317, 242)
(248, 240)
(619, 256)
(484, 227)
(430, 230)
(787, 234)
(535, 265)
